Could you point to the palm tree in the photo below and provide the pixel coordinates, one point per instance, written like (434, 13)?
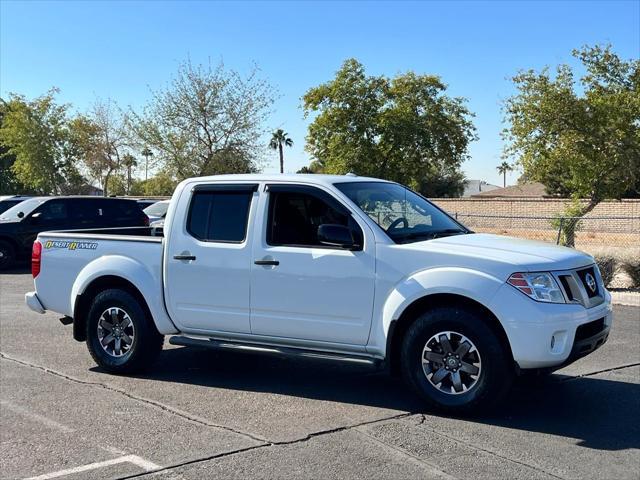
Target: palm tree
(129, 162)
(278, 140)
(503, 168)
(146, 153)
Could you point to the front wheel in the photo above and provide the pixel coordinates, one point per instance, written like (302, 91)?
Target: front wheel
(454, 361)
(120, 336)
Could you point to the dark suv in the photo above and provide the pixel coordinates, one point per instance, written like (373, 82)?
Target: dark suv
(20, 224)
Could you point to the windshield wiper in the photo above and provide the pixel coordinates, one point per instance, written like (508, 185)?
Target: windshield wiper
(429, 234)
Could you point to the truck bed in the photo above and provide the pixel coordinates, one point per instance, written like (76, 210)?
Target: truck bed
(72, 258)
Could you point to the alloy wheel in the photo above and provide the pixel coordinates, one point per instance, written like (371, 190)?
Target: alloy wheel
(116, 332)
(451, 362)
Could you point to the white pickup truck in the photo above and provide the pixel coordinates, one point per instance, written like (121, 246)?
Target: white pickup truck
(334, 266)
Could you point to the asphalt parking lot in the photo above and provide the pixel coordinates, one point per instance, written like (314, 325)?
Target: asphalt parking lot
(202, 413)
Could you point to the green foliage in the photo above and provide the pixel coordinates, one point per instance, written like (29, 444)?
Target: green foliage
(35, 133)
(117, 185)
(161, 184)
(403, 129)
(207, 121)
(444, 184)
(581, 141)
(280, 139)
(503, 169)
(568, 222)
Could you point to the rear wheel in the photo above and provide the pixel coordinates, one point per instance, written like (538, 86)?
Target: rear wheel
(120, 336)
(7, 254)
(454, 361)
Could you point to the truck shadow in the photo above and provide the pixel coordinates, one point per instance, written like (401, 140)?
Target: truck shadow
(601, 414)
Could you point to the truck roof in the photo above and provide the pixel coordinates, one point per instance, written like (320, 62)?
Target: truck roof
(313, 178)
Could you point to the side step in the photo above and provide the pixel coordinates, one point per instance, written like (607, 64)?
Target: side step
(274, 350)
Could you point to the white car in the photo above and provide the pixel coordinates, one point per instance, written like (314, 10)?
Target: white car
(157, 211)
(334, 266)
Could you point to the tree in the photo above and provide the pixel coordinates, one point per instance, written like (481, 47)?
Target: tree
(35, 133)
(442, 184)
(162, 184)
(580, 140)
(503, 168)
(129, 163)
(402, 129)
(100, 140)
(146, 153)
(207, 121)
(280, 139)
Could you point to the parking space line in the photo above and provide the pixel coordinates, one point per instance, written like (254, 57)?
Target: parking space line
(146, 465)
(35, 417)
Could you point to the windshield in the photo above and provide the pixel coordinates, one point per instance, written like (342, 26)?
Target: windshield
(158, 209)
(403, 214)
(25, 207)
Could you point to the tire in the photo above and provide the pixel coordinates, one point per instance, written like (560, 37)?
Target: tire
(469, 393)
(7, 255)
(140, 342)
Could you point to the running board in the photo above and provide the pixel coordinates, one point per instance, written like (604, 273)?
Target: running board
(284, 351)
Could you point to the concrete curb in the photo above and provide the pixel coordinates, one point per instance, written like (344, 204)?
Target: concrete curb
(631, 299)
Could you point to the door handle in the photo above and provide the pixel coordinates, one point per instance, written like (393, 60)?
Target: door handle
(267, 262)
(184, 257)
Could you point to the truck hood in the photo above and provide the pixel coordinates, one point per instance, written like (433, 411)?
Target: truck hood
(526, 255)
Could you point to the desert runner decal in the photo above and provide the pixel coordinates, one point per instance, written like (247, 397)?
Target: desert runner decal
(70, 245)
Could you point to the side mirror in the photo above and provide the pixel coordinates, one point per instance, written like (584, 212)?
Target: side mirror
(336, 236)
(35, 218)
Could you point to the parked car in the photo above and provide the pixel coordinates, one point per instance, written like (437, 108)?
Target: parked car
(327, 266)
(20, 224)
(8, 201)
(146, 202)
(157, 211)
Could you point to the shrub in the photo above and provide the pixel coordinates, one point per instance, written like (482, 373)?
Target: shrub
(607, 263)
(631, 266)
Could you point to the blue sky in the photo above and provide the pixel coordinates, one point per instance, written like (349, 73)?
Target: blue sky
(122, 49)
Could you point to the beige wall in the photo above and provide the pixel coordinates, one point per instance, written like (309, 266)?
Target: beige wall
(542, 208)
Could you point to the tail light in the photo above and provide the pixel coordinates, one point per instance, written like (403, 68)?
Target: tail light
(145, 220)
(36, 257)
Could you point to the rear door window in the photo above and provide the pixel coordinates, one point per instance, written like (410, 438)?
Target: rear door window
(219, 215)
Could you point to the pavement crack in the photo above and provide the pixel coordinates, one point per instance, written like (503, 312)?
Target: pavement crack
(269, 444)
(193, 462)
(433, 469)
(597, 372)
(146, 401)
(496, 454)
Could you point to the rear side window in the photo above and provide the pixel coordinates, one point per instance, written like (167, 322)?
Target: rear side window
(53, 210)
(119, 210)
(219, 216)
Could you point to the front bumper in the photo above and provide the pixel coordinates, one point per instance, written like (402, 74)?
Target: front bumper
(544, 335)
(33, 302)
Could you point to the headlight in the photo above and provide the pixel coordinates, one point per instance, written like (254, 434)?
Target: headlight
(540, 286)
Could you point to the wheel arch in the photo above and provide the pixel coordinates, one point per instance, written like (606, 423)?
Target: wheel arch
(398, 327)
(83, 300)
(11, 241)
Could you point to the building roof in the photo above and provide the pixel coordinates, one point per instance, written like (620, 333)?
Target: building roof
(472, 187)
(526, 190)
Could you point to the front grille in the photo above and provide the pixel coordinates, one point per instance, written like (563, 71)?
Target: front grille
(588, 279)
(590, 329)
(564, 280)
